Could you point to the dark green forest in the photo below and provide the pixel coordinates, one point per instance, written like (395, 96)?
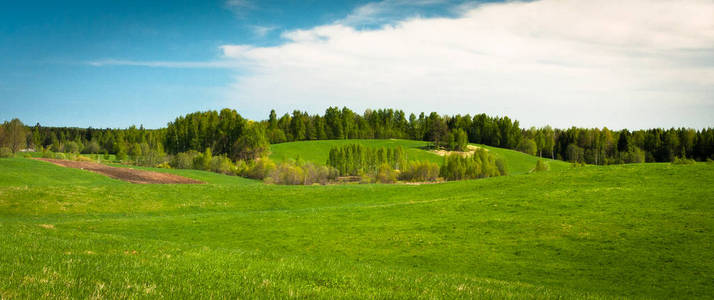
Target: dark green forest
(227, 133)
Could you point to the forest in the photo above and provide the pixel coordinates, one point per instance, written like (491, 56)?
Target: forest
(227, 133)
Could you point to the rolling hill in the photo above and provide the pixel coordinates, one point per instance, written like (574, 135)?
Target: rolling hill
(317, 152)
(641, 231)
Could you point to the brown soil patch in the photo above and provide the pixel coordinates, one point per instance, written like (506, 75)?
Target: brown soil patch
(126, 174)
(470, 149)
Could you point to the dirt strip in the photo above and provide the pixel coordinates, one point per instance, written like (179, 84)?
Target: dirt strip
(126, 174)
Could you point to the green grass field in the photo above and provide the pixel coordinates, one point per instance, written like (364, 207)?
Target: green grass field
(318, 151)
(593, 232)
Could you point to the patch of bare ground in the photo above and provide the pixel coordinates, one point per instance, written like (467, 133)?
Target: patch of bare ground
(470, 149)
(126, 174)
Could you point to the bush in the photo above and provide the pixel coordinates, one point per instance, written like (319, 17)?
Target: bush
(386, 174)
(59, 156)
(83, 158)
(259, 169)
(183, 160)
(541, 166)
(221, 164)
(91, 148)
(203, 160)
(501, 166)
(5, 152)
(48, 154)
(420, 171)
(150, 158)
(72, 147)
(683, 161)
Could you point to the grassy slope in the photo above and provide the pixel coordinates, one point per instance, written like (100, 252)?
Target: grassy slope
(636, 230)
(317, 152)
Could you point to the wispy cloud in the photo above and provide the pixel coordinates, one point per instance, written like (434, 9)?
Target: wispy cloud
(239, 4)
(387, 11)
(262, 31)
(240, 7)
(167, 64)
(561, 62)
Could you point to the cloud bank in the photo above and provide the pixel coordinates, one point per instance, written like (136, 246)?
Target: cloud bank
(561, 62)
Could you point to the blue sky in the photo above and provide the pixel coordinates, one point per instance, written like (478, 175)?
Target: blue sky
(117, 63)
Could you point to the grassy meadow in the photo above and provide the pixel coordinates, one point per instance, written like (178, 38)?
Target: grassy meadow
(595, 232)
(318, 151)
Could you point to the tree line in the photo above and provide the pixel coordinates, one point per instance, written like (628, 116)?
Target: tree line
(226, 132)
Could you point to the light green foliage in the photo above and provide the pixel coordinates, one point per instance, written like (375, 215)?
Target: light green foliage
(480, 164)
(541, 166)
(683, 161)
(528, 146)
(456, 140)
(628, 231)
(420, 171)
(318, 151)
(356, 159)
(5, 152)
(386, 174)
(296, 173)
(221, 164)
(184, 160)
(202, 161)
(259, 169)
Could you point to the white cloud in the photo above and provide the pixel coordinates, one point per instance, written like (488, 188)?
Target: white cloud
(562, 62)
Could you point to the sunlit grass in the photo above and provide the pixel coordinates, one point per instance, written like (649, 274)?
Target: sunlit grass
(602, 232)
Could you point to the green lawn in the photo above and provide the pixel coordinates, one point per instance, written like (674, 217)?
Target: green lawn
(641, 231)
(318, 151)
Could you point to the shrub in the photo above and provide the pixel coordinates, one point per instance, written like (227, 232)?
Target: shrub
(150, 157)
(221, 164)
(91, 148)
(203, 160)
(59, 156)
(259, 169)
(541, 166)
(5, 152)
(183, 160)
(386, 174)
(501, 166)
(48, 154)
(121, 154)
(72, 147)
(239, 168)
(683, 161)
(420, 171)
(83, 158)
(164, 165)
